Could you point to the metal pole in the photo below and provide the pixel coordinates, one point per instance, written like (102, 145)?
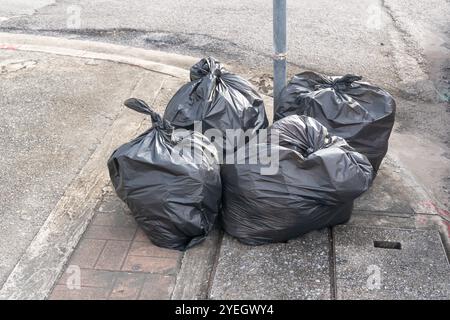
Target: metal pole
(279, 43)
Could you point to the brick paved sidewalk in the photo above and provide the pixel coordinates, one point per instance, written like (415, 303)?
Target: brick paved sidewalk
(116, 260)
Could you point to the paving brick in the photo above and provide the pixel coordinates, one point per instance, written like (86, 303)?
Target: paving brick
(127, 286)
(113, 220)
(61, 292)
(141, 236)
(93, 278)
(147, 249)
(87, 253)
(113, 255)
(109, 233)
(157, 287)
(150, 264)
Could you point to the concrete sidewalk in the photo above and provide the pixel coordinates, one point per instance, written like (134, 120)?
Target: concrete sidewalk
(67, 96)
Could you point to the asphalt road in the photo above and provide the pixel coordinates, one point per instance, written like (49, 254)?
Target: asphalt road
(14, 8)
(360, 36)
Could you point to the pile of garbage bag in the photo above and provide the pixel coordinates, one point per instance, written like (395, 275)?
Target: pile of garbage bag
(319, 176)
(328, 141)
(357, 111)
(174, 197)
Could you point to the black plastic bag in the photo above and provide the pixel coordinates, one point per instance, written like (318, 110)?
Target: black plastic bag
(219, 99)
(174, 198)
(360, 113)
(318, 178)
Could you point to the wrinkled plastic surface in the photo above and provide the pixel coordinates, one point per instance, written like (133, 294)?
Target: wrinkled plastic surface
(217, 98)
(174, 199)
(319, 176)
(360, 113)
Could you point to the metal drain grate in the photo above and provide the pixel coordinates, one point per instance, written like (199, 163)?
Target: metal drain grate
(387, 245)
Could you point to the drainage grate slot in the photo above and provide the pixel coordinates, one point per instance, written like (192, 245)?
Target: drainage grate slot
(387, 245)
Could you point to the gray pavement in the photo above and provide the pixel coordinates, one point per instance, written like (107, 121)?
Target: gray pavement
(67, 109)
(50, 125)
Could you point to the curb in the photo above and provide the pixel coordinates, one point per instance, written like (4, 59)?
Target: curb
(165, 63)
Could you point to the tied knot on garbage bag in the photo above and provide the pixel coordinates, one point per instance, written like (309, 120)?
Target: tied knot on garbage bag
(339, 83)
(165, 128)
(170, 180)
(357, 111)
(216, 99)
(142, 107)
(206, 66)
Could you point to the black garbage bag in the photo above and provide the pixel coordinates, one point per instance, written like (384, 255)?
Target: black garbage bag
(219, 99)
(170, 180)
(360, 113)
(318, 178)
